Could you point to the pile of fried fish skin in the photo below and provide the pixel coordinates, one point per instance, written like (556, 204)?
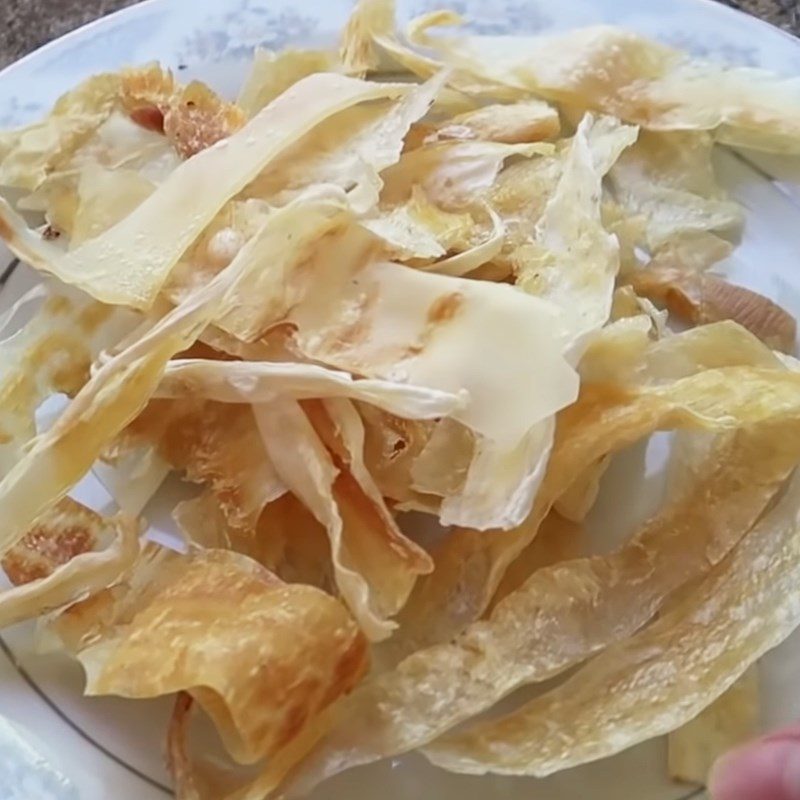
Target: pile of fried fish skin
(422, 272)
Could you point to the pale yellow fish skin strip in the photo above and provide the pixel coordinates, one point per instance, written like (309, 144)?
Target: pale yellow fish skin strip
(129, 263)
(451, 682)
(661, 678)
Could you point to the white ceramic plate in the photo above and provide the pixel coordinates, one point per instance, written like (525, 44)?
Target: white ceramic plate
(72, 747)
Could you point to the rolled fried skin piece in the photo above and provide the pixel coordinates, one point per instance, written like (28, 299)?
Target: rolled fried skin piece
(700, 298)
(512, 123)
(69, 552)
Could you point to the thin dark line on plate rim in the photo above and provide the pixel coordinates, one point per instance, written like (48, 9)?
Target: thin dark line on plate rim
(8, 271)
(50, 703)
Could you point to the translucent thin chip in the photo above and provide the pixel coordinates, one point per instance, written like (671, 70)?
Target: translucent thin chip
(583, 601)
(230, 633)
(664, 676)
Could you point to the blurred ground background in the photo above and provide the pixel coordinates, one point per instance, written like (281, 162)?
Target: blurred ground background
(27, 24)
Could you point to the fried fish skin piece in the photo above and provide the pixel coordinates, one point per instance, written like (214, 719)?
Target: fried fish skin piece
(511, 123)
(663, 676)
(584, 605)
(701, 298)
(69, 552)
(261, 657)
(638, 80)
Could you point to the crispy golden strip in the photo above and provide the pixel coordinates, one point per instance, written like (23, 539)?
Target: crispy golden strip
(664, 676)
(198, 779)
(435, 688)
(261, 657)
(470, 561)
(349, 151)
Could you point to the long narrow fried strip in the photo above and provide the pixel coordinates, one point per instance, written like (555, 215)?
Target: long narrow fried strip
(150, 240)
(435, 688)
(662, 677)
(258, 382)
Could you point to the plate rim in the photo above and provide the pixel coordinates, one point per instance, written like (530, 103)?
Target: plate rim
(96, 26)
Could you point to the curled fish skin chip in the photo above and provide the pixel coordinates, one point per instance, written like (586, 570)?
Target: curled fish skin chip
(662, 677)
